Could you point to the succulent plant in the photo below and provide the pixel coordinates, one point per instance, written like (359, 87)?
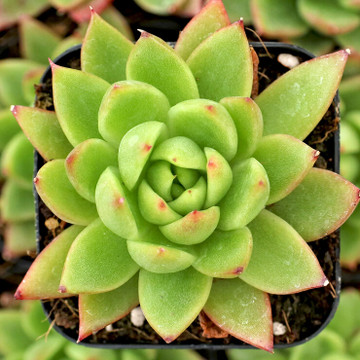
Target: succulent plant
(184, 193)
(185, 8)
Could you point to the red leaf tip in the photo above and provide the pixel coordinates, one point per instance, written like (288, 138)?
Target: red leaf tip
(36, 180)
(13, 109)
(62, 289)
(144, 34)
(18, 295)
(52, 64)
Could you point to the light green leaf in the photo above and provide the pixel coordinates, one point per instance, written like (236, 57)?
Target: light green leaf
(186, 177)
(160, 178)
(50, 349)
(164, 7)
(30, 79)
(8, 127)
(66, 44)
(350, 92)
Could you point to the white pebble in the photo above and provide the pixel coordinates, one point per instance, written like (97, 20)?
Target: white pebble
(288, 60)
(279, 328)
(137, 317)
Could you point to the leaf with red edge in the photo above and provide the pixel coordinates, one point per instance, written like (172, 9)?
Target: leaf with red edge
(164, 7)
(43, 278)
(281, 261)
(319, 205)
(8, 127)
(212, 17)
(99, 310)
(243, 311)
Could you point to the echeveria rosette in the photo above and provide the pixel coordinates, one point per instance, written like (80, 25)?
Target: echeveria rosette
(185, 194)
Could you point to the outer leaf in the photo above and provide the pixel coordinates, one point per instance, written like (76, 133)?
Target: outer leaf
(118, 21)
(8, 128)
(85, 164)
(212, 17)
(66, 44)
(350, 92)
(246, 197)
(286, 161)
(98, 310)
(207, 123)
(44, 131)
(127, 104)
(171, 302)
(39, 282)
(154, 62)
(64, 5)
(76, 352)
(55, 190)
(33, 319)
(106, 60)
(350, 142)
(248, 120)
(222, 64)
(178, 354)
(31, 78)
(277, 18)
(46, 350)
(193, 228)
(351, 40)
(307, 90)
(164, 7)
(278, 254)
(315, 43)
(311, 213)
(77, 98)
(97, 244)
(242, 311)
(160, 178)
(225, 254)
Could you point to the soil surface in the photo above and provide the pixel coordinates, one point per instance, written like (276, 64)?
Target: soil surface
(303, 313)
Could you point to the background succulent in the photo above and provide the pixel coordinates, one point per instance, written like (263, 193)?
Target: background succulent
(176, 186)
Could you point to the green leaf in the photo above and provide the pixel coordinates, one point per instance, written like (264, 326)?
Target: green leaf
(66, 44)
(105, 59)
(116, 206)
(76, 352)
(160, 178)
(55, 189)
(178, 354)
(39, 282)
(242, 311)
(248, 120)
(225, 254)
(186, 177)
(350, 142)
(64, 5)
(246, 197)
(85, 164)
(97, 244)
(98, 310)
(154, 62)
(127, 104)
(312, 214)
(135, 149)
(350, 92)
(37, 41)
(328, 17)
(171, 302)
(77, 98)
(350, 4)
(207, 123)
(17, 203)
(238, 9)
(222, 64)
(287, 161)
(112, 16)
(315, 43)
(44, 131)
(164, 7)
(34, 321)
(351, 40)
(278, 254)
(212, 18)
(278, 18)
(50, 349)
(308, 91)
(30, 79)
(193, 228)
(8, 127)
(182, 152)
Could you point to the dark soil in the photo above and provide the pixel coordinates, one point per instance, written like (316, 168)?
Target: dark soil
(302, 313)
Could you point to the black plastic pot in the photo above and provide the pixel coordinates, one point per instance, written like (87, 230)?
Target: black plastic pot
(311, 323)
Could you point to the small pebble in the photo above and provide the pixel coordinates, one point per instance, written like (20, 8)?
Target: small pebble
(137, 317)
(109, 328)
(288, 60)
(279, 328)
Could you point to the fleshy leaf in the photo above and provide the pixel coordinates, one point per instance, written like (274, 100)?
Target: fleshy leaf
(135, 150)
(112, 16)
(246, 197)
(17, 160)
(85, 164)
(66, 44)
(98, 310)
(241, 310)
(53, 176)
(154, 62)
(219, 177)
(222, 64)
(350, 142)
(17, 203)
(186, 177)
(153, 207)
(207, 123)
(191, 199)
(193, 228)
(76, 352)
(212, 18)
(37, 41)
(312, 214)
(287, 161)
(164, 7)
(77, 98)
(40, 282)
(248, 120)
(315, 43)
(31, 78)
(64, 5)
(278, 254)
(44, 131)
(160, 178)
(307, 89)
(50, 349)
(350, 92)
(351, 40)
(329, 17)
(105, 59)
(97, 244)
(176, 190)
(180, 151)
(171, 302)
(116, 206)
(278, 18)
(225, 254)
(8, 127)
(127, 104)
